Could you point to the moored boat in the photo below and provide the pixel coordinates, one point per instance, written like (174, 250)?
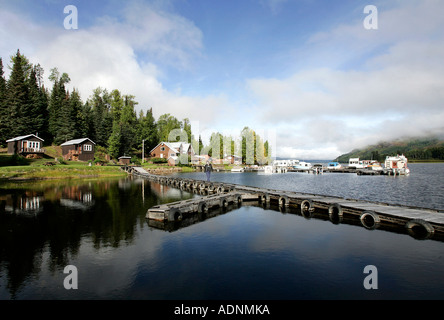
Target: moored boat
(396, 165)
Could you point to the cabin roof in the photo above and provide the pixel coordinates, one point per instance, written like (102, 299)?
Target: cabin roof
(76, 141)
(175, 146)
(24, 137)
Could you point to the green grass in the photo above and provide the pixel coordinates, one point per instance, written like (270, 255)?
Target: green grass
(59, 171)
(19, 168)
(13, 167)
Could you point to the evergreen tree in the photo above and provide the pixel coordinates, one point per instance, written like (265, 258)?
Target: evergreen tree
(57, 105)
(4, 115)
(101, 116)
(128, 122)
(76, 114)
(166, 124)
(38, 106)
(17, 99)
(146, 130)
(67, 122)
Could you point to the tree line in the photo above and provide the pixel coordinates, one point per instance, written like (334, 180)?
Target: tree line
(108, 118)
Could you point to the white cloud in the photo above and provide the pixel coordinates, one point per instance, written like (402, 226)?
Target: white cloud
(395, 91)
(108, 55)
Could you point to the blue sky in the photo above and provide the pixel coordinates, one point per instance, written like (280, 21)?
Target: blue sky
(306, 73)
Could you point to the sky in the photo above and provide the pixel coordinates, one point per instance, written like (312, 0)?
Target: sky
(317, 78)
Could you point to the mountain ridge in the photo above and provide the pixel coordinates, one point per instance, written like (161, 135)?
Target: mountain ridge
(415, 149)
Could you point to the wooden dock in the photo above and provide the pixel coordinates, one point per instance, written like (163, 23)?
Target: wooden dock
(419, 222)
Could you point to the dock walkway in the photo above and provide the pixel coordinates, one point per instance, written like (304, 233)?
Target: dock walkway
(219, 195)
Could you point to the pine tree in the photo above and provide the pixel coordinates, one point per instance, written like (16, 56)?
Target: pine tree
(37, 106)
(101, 116)
(57, 105)
(4, 115)
(146, 130)
(17, 99)
(66, 123)
(128, 121)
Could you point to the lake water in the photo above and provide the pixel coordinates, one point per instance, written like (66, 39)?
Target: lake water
(99, 227)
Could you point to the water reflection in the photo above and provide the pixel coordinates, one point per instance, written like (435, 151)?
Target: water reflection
(100, 226)
(66, 213)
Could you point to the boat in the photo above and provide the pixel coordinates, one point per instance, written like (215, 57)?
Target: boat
(237, 169)
(268, 169)
(333, 165)
(355, 163)
(396, 165)
(317, 168)
(303, 166)
(374, 165)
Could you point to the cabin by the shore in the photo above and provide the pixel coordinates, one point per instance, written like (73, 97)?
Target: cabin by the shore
(26, 145)
(125, 160)
(165, 150)
(78, 149)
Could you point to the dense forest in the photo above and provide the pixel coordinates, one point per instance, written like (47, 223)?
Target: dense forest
(415, 149)
(108, 118)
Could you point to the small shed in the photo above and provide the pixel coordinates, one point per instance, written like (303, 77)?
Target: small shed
(125, 160)
(78, 149)
(25, 145)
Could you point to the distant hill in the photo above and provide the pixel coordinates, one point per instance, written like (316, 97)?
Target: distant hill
(416, 149)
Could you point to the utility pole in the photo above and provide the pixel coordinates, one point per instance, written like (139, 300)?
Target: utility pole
(143, 150)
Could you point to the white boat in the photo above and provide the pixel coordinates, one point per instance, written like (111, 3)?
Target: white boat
(317, 168)
(237, 169)
(333, 165)
(396, 165)
(268, 169)
(303, 166)
(374, 165)
(355, 163)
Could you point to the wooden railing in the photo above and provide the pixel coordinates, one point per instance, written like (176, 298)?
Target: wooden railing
(32, 150)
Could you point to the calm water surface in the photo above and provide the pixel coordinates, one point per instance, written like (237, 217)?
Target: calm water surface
(245, 253)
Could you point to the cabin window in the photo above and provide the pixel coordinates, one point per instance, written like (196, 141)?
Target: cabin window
(33, 144)
(87, 147)
(162, 148)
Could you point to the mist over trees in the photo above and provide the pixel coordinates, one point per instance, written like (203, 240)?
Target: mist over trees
(108, 118)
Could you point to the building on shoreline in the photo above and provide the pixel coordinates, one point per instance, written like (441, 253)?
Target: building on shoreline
(28, 146)
(78, 149)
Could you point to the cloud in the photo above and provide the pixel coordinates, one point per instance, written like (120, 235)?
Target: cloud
(375, 86)
(128, 51)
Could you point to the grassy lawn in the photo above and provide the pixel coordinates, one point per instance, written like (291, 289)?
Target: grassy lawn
(18, 168)
(13, 168)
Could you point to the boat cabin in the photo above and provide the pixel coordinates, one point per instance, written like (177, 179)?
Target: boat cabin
(334, 165)
(355, 163)
(395, 162)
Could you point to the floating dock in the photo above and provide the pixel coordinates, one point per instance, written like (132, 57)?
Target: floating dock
(419, 222)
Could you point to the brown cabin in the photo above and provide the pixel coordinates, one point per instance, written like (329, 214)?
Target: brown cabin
(26, 145)
(78, 149)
